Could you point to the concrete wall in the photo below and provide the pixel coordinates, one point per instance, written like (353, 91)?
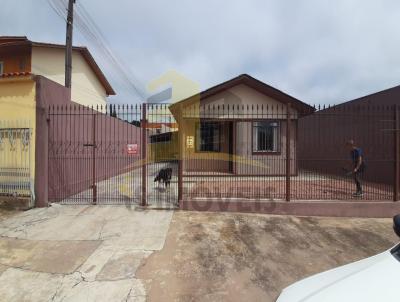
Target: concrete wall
(48, 94)
(322, 138)
(86, 88)
(71, 162)
(65, 127)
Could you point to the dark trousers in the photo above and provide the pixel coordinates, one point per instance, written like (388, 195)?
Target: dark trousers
(357, 180)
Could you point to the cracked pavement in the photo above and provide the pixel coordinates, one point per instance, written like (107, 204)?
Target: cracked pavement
(250, 257)
(114, 253)
(78, 253)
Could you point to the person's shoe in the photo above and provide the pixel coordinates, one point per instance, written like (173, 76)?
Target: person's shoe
(358, 194)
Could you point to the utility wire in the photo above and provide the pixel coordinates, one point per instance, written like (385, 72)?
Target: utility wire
(92, 33)
(92, 25)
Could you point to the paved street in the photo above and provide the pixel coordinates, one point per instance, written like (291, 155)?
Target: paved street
(118, 253)
(239, 257)
(78, 253)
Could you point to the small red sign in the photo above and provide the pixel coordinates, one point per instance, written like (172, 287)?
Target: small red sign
(132, 149)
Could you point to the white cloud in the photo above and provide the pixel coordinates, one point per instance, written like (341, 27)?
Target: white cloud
(319, 51)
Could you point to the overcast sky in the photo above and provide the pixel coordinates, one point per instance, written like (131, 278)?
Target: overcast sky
(319, 51)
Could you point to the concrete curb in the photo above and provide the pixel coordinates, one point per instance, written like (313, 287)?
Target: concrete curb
(15, 203)
(371, 209)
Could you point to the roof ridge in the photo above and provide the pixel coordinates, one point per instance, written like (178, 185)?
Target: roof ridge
(253, 83)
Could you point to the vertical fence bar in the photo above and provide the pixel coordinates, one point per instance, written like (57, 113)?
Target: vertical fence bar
(94, 186)
(144, 151)
(288, 152)
(180, 162)
(396, 154)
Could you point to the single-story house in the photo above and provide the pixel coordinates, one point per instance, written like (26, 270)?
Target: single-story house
(238, 127)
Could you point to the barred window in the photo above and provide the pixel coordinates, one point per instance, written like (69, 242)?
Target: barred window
(208, 136)
(266, 136)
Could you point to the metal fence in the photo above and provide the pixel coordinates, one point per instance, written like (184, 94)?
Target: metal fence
(16, 175)
(110, 155)
(236, 152)
(324, 159)
(279, 153)
(148, 155)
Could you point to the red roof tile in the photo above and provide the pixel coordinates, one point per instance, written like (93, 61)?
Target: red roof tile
(10, 41)
(14, 74)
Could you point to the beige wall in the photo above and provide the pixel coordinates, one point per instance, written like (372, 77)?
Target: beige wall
(266, 164)
(86, 88)
(18, 110)
(207, 161)
(240, 102)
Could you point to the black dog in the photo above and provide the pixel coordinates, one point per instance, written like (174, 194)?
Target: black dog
(164, 176)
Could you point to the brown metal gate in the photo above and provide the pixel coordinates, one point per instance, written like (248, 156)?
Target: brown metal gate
(111, 154)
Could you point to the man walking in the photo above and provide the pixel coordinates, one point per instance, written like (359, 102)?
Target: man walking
(358, 166)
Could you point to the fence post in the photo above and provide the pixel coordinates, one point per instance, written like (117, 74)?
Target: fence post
(288, 152)
(180, 166)
(94, 186)
(396, 183)
(181, 152)
(41, 160)
(144, 153)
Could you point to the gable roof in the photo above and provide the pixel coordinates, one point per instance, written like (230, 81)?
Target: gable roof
(384, 99)
(256, 85)
(389, 96)
(6, 41)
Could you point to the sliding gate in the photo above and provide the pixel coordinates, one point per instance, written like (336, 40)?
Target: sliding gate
(112, 154)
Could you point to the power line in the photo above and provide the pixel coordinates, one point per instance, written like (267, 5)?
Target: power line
(94, 30)
(60, 8)
(92, 33)
(61, 14)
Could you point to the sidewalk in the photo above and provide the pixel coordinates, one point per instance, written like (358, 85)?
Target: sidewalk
(78, 253)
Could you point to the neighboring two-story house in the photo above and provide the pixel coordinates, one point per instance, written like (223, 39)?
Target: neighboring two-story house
(32, 80)
(89, 85)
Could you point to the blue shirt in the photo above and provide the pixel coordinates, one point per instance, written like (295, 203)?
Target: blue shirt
(355, 155)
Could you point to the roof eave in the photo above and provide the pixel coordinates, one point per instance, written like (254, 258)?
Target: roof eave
(248, 80)
(89, 59)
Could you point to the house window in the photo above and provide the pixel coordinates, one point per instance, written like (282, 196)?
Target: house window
(266, 136)
(208, 136)
(1, 67)
(22, 64)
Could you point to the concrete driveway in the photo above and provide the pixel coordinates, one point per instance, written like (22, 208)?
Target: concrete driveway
(248, 257)
(78, 253)
(117, 253)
